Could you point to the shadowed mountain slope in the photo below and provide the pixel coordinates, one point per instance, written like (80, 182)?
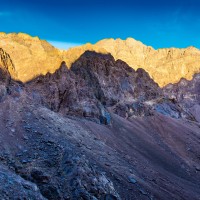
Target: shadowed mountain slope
(99, 130)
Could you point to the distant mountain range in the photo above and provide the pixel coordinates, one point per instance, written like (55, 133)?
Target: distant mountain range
(32, 57)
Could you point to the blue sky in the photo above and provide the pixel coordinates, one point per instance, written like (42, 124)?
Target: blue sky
(67, 23)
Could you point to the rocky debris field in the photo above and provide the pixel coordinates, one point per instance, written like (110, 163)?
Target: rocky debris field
(100, 130)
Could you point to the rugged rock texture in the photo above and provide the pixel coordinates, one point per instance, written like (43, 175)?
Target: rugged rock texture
(44, 149)
(94, 84)
(47, 156)
(114, 80)
(97, 131)
(30, 55)
(7, 64)
(15, 187)
(6, 68)
(33, 57)
(154, 157)
(97, 84)
(187, 93)
(164, 65)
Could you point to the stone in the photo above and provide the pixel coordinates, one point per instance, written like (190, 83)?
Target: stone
(132, 179)
(142, 191)
(197, 168)
(13, 186)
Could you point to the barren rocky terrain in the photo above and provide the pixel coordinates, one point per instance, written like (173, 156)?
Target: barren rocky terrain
(33, 57)
(98, 130)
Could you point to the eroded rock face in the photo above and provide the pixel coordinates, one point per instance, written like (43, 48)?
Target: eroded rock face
(64, 92)
(30, 55)
(165, 66)
(47, 158)
(8, 86)
(48, 143)
(114, 81)
(7, 64)
(33, 57)
(15, 187)
(6, 67)
(94, 83)
(97, 84)
(74, 159)
(187, 94)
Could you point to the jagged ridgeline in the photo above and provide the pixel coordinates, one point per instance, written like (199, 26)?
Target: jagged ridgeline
(33, 57)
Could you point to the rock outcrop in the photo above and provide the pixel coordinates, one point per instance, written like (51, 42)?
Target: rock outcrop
(96, 85)
(163, 65)
(187, 94)
(93, 84)
(30, 55)
(6, 63)
(6, 69)
(15, 187)
(33, 57)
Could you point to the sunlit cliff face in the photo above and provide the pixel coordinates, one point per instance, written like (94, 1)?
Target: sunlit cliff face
(32, 57)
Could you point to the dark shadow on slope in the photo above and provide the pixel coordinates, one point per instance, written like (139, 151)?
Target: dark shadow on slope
(94, 83)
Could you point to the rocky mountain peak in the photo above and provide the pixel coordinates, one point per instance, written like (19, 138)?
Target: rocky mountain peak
(32, 57)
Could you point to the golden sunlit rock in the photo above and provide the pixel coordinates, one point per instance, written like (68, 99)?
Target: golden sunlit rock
(7, 64)
(32, 57)
(165, 66)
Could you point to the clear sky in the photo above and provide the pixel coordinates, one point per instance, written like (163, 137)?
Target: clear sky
(158, 23)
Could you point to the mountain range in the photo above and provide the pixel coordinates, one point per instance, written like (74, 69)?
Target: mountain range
(163, 65)
(116, 120)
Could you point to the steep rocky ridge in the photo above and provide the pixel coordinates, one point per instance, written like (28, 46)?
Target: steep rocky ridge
(32, 57)
(187, 93)
(55, 154)
(93, 84)
(164, 65)
(97, 84)
(98, 130)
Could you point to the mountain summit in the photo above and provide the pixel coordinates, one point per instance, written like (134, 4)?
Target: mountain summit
(32, 57)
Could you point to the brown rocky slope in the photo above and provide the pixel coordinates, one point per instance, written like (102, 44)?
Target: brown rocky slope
(97, 131)
(32, 57)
